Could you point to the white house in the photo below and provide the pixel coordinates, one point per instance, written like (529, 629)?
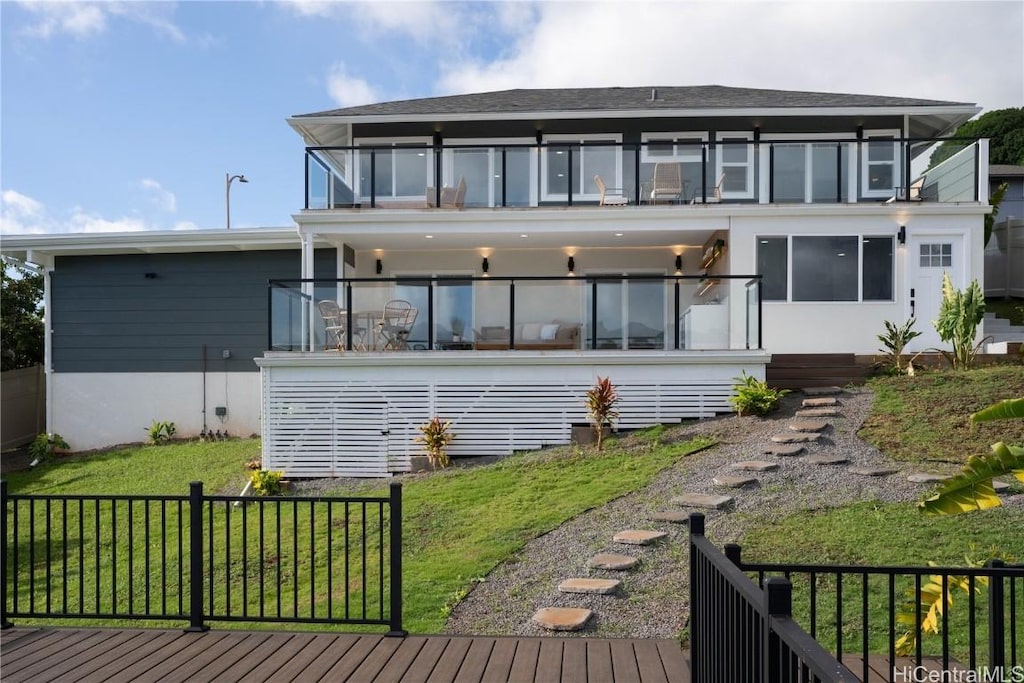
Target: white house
(734, 224)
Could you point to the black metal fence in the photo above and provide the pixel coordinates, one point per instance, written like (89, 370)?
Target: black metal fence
(860, 611)
(201, 558)
(740, 632)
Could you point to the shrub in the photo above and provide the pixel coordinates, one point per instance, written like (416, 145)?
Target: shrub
(601, 401)
(44, 445)
(266, 482)
(960, 313)
(159, 432)
(435, 440)
(754, 397)
(895, 340)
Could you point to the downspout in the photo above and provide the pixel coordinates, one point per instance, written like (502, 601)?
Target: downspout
(48, 345)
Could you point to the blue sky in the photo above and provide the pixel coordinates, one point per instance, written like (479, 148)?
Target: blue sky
(126, 116)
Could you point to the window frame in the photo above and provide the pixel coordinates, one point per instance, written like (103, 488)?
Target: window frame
(682, 157)
(410, 142)
(494, 163)
(569, 139)
(801, 140)
(866, 164)
(721, 164)
(860, 237)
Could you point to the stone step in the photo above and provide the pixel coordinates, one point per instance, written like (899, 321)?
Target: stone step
(796, 437)
(822, 391)
(639, 537)
(873, 471)
(818, 412)
(598, 586)
(783, 450)
(927, 477)
(612, 562)
(562, 618)
(734, 482)
(808, 425)
(671, 516)
(820, 402)
(827, 460)
(754, 466)
(702, 500)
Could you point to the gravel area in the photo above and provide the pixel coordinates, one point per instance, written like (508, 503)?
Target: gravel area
(652, 602)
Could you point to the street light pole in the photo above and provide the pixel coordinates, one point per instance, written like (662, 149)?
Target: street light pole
(228, 179)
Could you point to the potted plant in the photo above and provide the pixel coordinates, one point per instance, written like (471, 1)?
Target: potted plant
(458, 325)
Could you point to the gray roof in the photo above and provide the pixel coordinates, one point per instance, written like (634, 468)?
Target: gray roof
(623, 99)
(1002, 170)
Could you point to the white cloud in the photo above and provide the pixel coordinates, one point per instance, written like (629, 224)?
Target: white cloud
(962, 51)
(185, 225)
(159, 196)
(435, 23)
(23, 215)
(347, 90)
(83, 20)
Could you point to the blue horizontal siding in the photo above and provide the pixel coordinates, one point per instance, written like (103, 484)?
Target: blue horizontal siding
(108, 316)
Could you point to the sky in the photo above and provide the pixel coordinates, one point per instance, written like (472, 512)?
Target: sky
(128, 115)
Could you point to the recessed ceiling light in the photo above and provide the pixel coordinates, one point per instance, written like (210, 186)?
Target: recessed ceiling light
(618, 234)
(429, 237)
(524, 235)
(841, 254)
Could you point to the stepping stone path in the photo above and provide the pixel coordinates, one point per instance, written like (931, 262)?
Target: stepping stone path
(638, 537)
(822, 391)
(754, 466)
(827, 459)
(927, 477)
(784, 451)
(1000, 486)
(808, 425)
(818, 412)
(702, 500)
(733, 482)
(796, 437)
(671, 516)
(599, 586)
(562, 618)
(873, 471)
(822, 402)
(612, 562)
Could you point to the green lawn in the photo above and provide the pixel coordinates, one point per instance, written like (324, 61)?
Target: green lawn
(458, 524)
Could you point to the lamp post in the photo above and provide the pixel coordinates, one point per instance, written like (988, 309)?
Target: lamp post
(228, 179)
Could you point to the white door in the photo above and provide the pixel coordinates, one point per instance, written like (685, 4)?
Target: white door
(359, 439)
(928, 257)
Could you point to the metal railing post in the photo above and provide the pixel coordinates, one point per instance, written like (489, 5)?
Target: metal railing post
(996, 617)
(696, 637)
(778, 602)
(4, 623)
(396, 562)
(733, 552)
(195, 560)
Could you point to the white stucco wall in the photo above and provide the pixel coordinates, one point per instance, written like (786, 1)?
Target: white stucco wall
(96, 410)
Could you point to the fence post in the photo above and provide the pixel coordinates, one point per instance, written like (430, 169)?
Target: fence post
(996, 617)
(696, 646)
(4, 623)
(778, 602)
(732, 553)
(195, 535)
(396, 562)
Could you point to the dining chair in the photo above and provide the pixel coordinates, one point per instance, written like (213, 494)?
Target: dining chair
(336, 328)
(396, 323)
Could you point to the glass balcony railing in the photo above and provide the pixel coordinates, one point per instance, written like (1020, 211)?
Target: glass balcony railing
(591, 313)
(790, 170)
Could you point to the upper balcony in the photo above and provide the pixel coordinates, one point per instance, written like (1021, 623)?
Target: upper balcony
(684, 169)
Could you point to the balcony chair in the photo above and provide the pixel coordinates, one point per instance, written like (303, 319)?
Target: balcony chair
(451, 197)
(716, 193)
(336, 326)
(396, 324)
(614, 199)
(668, 182)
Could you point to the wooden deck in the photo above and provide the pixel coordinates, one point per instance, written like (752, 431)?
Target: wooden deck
(100, 654)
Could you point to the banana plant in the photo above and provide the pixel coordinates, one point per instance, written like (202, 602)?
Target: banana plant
(960, 313)
(972, 489)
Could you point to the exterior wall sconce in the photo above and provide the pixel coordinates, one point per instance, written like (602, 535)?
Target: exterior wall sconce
(572, 265)
(902, 235)
(150, 276)
(485, 266)
(679, 264)
(380, 266)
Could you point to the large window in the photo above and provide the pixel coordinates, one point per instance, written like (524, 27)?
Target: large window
(482, 169)
(826, 268)
(565, 162)
(405, 170)
(880, 172)
(681, 147)
(630, 314)
(735, 155)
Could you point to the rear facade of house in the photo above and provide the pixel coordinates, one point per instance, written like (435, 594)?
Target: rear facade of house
(669, 238)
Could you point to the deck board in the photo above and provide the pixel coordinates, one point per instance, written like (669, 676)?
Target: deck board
(87, 655)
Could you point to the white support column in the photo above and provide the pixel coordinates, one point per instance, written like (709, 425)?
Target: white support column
(764, 179)
(307, 290)
(983, 171)
(851, 172)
